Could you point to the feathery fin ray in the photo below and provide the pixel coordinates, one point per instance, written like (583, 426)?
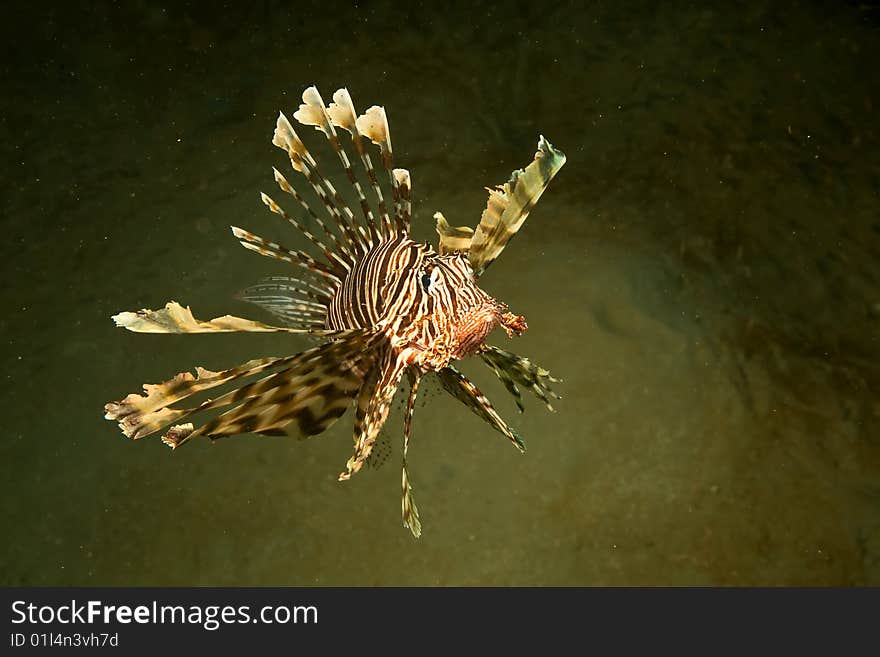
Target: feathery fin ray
(506, 210)
(512, 370)
(343, 115)
(452, 239)
(374, 401)
(404, 186)
(373, 124)
(409, 510)
(313, 112)
(174, 318)
(309, 394)
(301, 160)
(460, 387)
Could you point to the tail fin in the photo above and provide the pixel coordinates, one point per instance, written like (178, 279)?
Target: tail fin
(309, 393)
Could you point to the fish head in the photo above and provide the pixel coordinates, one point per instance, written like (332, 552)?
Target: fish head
(456, 315)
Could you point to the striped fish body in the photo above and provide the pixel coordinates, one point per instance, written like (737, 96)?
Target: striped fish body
(428, 306)
(387, 307)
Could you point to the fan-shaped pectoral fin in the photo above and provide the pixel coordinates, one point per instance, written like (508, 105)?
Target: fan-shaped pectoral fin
(305, 394)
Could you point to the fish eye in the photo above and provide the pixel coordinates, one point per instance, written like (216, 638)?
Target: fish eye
(426, 281)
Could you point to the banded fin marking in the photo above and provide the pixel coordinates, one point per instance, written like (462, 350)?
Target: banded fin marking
(373, 402)
(301, 160)
(343, 115)
(509, 205)
(373, 124)
(452, 239)
(317, 296)
(404, 185)
(142, 415)
(272, 250)
(282, 300)
(339, 248)
(309, 394)
(313, 112)
(340, 266)
(409, 510)
(460, 387)
(512, 370)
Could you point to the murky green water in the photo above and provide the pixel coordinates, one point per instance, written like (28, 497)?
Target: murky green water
(703, 274)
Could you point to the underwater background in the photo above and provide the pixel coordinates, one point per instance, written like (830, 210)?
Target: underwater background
(703, 274)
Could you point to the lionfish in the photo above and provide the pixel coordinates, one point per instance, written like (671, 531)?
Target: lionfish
(384, 305)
